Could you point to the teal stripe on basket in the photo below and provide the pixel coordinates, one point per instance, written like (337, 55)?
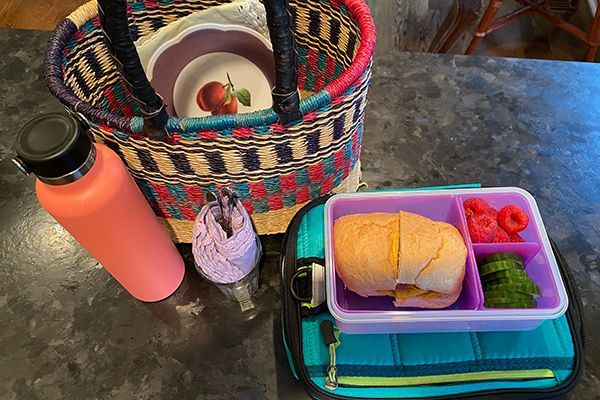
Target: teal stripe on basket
(137, 125)
(302, 177)
(322, 61)
(137, 6)
(119, 92)
(103, 103)
(177, 191)
(351, 89)
(146, 188)
(120, 135)
(348, 150)
(272, 185)
(310, 80)
(210, 188)
(88, 27)
(339, 177)
(339, 68)
(328, 165)
(226, 133)
(262, 130)
(315, 102)
(174, 211)
(261, 206)
(242, 190)
(289, 200)
(302, 52)
(315, 191)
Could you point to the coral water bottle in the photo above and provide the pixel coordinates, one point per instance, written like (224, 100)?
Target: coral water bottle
(88, 190)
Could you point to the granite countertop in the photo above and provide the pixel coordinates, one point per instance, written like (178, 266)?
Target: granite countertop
(69, 331)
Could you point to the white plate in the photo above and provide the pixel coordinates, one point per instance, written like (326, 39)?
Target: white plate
(214, 67)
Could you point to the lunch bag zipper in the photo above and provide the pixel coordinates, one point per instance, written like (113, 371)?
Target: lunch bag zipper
(292, 320)
(333, 381)
(471, 377)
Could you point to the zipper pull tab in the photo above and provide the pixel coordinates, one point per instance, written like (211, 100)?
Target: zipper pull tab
(331, 381)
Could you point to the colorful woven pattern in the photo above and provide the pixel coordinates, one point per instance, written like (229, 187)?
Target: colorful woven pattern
(274, 169)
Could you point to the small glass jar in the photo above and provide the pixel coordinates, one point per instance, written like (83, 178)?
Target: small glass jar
(243, 289)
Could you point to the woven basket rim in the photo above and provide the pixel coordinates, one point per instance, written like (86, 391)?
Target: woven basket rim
(357, 9)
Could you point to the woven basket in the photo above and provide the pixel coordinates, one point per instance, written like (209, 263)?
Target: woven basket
(276, 160)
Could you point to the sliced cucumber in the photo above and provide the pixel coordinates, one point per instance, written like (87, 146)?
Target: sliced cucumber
(506, 283)
(502, 257)
(502, 294)
(525, 280)
(526, 288)
(506, 273)
(509, 303)
(500, 266)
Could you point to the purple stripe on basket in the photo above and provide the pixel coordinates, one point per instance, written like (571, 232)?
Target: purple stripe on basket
(315, 22)
(90, 58)
(80, 80)
(312, 142)
(358, 111)
(147, 161)
(250, 159)
(215, 162)
(284, 153)
(181, 163)
(338, 127)
(334, 31)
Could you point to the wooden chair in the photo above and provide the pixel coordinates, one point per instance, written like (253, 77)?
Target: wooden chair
(490, 23)
(461, 17)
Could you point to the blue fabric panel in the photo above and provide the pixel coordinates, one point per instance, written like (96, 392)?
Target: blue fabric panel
(436, 353)
(311, 241)
(433, 348)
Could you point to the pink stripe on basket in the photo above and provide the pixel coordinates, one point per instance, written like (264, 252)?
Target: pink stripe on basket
(359, 11)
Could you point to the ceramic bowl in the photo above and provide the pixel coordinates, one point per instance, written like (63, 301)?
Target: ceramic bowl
(208, 52)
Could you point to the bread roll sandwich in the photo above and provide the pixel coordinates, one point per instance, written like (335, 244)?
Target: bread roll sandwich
(420, 262)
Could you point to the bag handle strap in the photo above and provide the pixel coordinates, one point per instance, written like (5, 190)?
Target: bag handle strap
(286, 99)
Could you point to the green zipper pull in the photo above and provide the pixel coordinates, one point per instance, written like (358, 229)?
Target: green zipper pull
(331, 382)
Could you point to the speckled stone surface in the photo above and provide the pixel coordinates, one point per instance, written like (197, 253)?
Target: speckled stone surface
(68, 331)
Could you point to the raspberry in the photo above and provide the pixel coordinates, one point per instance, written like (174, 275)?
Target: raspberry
(493, 212)
(501, 236)
(475, 206)
(512, 219)
(482, 228)
(516, 238)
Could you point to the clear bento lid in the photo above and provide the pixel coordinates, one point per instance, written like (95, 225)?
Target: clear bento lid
(447, 205)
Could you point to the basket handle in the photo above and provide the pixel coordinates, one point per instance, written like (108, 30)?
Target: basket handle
(113, 19)
(286, 99)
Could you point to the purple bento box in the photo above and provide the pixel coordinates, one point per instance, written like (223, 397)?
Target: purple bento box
(356, 314)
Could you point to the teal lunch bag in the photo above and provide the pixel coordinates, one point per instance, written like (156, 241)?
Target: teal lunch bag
(539, 364)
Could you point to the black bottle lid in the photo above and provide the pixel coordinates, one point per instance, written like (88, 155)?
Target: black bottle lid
(55, 148)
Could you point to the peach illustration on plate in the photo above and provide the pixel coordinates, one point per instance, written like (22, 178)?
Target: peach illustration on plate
(218, 98)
